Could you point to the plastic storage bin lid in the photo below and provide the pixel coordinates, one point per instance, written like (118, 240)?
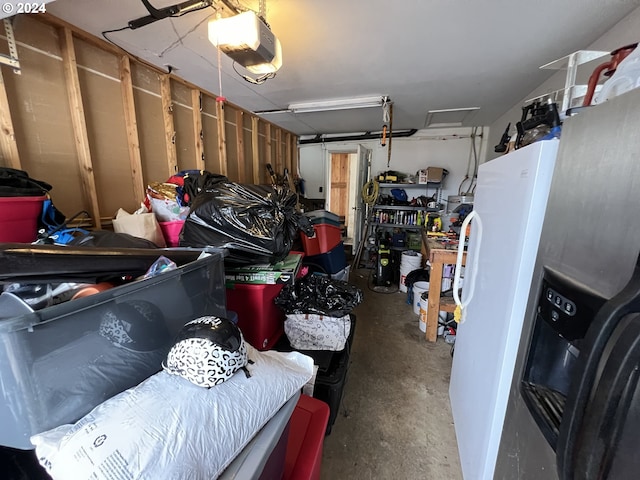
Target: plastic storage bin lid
(58, 363)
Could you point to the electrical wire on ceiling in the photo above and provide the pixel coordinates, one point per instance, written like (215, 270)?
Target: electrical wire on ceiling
(472, 165)
(181, 9)
(173, 11)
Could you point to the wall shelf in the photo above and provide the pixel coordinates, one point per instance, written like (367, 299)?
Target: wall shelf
(405, 207)
(402, 227)
(411, 185)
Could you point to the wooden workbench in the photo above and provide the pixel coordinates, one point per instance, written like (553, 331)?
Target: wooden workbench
(438, 256)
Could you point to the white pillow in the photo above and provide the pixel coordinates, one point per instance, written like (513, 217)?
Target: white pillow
(169, 428)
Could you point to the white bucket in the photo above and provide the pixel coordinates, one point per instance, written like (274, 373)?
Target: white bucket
(409, 262)
(423, 313)
(418, 289)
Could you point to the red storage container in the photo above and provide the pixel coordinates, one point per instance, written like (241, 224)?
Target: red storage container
(326, 237)
(306, 437)
(19, 218)
(261, 320)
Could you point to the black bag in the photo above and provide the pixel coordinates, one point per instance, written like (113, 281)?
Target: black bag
(254, 223)
(321, 295)
(17, 183)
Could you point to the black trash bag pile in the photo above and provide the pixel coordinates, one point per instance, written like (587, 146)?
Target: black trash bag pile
(320, 295)
(254, 223)
(17, 183)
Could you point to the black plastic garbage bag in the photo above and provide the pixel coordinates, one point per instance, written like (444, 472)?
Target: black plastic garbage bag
(17, 183)
(254, 223)
(319, 294)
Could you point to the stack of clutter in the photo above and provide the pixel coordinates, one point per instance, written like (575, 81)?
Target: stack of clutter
(324, 251)
(320, 323)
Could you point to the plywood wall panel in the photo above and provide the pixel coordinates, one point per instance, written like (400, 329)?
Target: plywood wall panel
(210, 134)
(183, 124)
(42, 125)
(230, 115)
(90, 57)
(104, 116)
(247, 126)
(146, 95)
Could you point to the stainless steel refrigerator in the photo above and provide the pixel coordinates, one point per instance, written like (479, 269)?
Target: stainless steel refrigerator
(574, 402)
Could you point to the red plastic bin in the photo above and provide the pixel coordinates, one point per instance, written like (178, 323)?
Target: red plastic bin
(19, 218)
(326, 238)
(260, 320)
(306, 438)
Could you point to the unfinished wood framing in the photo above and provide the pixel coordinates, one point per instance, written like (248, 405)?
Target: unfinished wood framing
(268, 158)
(8, 144)
(279, 166)
(287, 152)
(255, 158)
(240, 146)
(107, 116)
(81, 136)
(198, 138)
(169, 129)
(222, 138)
(132, 129)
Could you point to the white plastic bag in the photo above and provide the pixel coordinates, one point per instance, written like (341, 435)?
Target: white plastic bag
(169, 428)
(307, 331)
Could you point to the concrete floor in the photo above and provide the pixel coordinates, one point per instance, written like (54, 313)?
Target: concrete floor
(395, 420)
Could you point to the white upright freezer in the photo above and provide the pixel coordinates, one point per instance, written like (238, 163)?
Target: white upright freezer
(510, 201)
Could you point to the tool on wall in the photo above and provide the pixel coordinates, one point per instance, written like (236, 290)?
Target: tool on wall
(387, 117)
(504, 141)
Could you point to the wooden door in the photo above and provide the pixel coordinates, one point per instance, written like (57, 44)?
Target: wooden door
(340, 185)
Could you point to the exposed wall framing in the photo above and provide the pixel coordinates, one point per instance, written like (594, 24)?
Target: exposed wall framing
(100, 125)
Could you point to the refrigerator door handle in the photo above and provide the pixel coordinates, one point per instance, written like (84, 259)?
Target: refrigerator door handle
(470, 283)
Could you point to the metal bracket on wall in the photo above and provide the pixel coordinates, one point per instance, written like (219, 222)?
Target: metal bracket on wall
(12, 58)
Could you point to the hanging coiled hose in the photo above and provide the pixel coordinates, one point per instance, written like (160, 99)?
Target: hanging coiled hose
(370, 192)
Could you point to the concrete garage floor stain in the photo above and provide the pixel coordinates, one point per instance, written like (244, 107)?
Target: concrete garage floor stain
(395, 420)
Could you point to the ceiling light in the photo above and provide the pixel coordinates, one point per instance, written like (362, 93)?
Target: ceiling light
(248, 40)
(449, 117)
(338, 104)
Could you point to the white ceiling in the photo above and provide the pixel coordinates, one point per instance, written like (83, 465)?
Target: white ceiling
(423, 54)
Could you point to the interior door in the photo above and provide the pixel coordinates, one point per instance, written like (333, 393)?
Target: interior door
(339, 185)
(364, 166)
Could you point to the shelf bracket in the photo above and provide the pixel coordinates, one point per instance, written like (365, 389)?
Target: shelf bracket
(11, 59)
(570, 63)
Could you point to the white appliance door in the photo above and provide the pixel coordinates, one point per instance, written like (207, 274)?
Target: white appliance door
(511, 197)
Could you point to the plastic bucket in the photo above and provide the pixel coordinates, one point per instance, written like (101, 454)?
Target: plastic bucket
(409, 262)
(423, 311)
(418, 289)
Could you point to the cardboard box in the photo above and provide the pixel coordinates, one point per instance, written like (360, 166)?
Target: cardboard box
(431, 175)
(282, 272)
